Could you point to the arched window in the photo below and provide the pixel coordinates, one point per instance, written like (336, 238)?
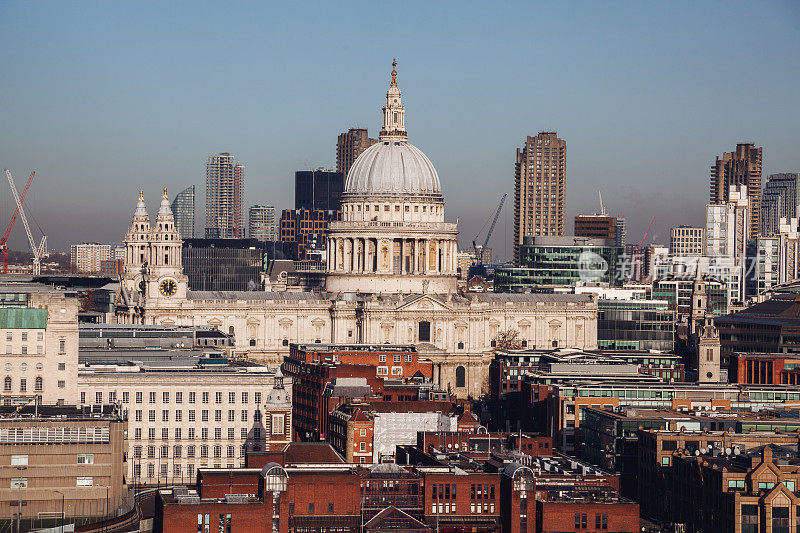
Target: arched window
(38, 384)
(230, 330)
(252, 342)
(7, 384)
(461, 376)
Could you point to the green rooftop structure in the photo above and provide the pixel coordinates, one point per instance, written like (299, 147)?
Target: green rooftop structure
(23, 318)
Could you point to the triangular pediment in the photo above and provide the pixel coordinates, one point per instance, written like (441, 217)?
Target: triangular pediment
(423, 303)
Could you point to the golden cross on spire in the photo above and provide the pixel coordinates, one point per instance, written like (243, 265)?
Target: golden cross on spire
(394, 72)
(141, 195)
(165, 194)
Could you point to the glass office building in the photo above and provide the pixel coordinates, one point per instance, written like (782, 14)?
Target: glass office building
(183, 211)
(635, 325)
(228, 264)
(553, 261)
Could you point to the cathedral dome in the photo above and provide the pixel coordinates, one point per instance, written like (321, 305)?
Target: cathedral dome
(393, 167)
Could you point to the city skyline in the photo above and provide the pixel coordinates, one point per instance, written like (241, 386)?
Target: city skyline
(662, 88)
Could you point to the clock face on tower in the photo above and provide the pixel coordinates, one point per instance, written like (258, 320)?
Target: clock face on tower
(168, 287)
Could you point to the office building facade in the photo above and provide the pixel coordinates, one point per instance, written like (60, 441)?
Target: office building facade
(224, 197)
(183, 211)
(596, 226)
(87, 257)
(686, 241)
(779, 200)
(741, 167)
(223, 264)
(349, 146)
(552, 261)
(318, 190)
(261, 223)
(540, 185)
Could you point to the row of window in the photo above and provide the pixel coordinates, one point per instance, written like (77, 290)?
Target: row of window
(204, 415)
(39, 366)
(177, 451)
(80, 481)
(205, 397)
(600, 521)
(82, 459)
(24, 350)
(24, 336)
(277, 429)
(38, 384)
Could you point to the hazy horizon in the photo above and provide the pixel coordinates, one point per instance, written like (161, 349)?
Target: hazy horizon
(106, 99)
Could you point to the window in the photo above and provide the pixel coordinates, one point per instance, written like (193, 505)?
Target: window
(244, 415)
(178, 416)
(218, 397)
(665, 461)
(178, 397)
(126, 396)
(231, 415)
(85, 481)
(256, 416)
(85, 458)
(62, 346)
(231, 397)
(204, 415)
(39, 336)
(311, 508)
(23, 384)
(164, 397)
(231, 451)
(137, 452)
(19, 482)
(192, 397)
(257, 397)
(165, 415)
(191, 415)
(18, 460)
(231, 434)
(190, 451)
(164, 433)
(204, 433)
(152, 397)
(38, 384)
(461, 376)
(191, 433)
(7, 384)
(204, 451)
(177, 433)
(151, 433)
(138, 397)
(205, 397)
(363, 432)
(164, 452)
(151, 415)
(424, 331)
(137, 433)
(244, 397)
(362, 446)
(217, 433)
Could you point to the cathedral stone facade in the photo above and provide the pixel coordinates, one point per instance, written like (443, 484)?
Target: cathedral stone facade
(391, 278)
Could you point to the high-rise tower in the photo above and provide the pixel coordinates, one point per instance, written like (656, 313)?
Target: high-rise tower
(224, 196)
(741, 167)
(349, 146)
(540, 181)
(183, 210)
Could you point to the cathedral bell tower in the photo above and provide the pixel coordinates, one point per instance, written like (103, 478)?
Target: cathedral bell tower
(137, 251)
(166, 280)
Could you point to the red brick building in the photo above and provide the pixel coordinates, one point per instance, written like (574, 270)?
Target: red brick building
(385, 368)
(765, 368)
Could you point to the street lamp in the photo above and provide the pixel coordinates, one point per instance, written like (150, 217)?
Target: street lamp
(19, 487)
(61, 529)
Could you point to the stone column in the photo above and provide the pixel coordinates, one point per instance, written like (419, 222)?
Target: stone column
(416, 257)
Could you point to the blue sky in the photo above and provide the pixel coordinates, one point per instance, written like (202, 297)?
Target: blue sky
(105, 98)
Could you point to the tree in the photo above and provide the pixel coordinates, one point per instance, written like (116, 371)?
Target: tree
(507, 340)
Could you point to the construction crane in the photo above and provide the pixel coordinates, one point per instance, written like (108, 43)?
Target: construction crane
(641, 243)
(4, 240)
(38, 251)
(488, 233)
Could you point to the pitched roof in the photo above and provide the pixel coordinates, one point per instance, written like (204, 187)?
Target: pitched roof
(392, 518)
(297, 453)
